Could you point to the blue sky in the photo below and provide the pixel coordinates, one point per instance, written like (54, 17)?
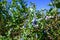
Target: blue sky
(39, 3)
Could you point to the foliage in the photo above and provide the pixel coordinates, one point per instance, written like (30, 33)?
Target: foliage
(19, 22)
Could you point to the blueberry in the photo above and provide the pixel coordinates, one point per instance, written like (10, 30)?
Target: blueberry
(34, 21)
(44, 32)
(24, 26)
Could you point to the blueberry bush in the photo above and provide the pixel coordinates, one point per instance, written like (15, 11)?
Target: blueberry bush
(19, 22)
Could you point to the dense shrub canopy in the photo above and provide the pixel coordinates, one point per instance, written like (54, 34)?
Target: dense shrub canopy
(19, 22)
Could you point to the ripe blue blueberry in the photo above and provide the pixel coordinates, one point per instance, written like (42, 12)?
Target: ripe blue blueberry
(34, 22)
